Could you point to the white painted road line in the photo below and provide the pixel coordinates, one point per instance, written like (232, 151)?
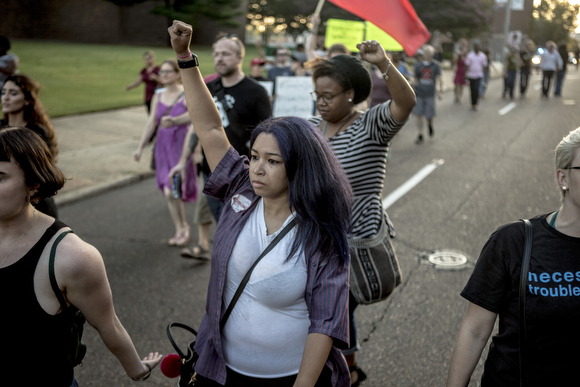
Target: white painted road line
(411, 183)
(507, 108)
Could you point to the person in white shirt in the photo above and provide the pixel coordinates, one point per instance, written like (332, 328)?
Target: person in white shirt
(476, 62)
(551, 61)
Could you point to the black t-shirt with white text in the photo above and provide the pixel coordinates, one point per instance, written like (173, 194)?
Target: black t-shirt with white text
(251, 104)
(552, 304)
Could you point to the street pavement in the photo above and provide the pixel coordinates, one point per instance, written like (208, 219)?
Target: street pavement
(496, 165)
(96, 149)
(406, 340)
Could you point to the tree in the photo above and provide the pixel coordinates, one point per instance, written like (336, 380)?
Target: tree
(553, 20)
(221, 11)
(289, 16)
(462, 18)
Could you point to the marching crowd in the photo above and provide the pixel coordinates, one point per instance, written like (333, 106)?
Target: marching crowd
(291, 191)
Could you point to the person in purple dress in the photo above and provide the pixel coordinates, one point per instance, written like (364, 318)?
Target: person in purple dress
(149, 75)
(170, 119)
(459, 65)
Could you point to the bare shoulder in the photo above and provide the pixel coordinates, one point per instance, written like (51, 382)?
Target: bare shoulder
(77, 259)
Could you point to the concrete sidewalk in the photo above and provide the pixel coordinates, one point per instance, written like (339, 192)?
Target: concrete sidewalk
(96, 152)
(96, 149)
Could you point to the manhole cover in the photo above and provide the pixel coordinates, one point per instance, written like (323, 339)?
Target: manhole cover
(447, 259)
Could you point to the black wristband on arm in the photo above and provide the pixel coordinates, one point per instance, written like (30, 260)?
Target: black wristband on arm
(188, 64)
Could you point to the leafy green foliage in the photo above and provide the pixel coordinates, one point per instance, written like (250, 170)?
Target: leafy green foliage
(462, 18)
(553, 20)
(292, 17)
(221, 11)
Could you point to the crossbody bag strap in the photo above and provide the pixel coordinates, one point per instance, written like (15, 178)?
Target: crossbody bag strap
(170, 107)
(173, 104)
(53, 282)
(244, 282)
(522, 302)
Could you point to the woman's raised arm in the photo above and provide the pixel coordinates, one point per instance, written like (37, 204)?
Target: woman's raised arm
(200, 104)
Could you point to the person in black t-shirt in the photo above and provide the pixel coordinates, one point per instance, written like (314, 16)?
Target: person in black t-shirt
(526, 56)
(242, 102)
(552, 306)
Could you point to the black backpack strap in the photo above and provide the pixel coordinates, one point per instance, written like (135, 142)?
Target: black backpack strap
(244, 282)
(522, 302)
(53, 282)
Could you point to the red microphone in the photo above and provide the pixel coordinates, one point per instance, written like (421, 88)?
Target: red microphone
(171, 365)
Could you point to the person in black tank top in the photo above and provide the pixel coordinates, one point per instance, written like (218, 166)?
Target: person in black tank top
(34, 328)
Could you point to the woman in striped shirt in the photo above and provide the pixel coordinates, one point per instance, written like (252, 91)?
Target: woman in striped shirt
(360, 140)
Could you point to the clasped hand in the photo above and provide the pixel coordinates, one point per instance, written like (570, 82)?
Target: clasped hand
(167, 121)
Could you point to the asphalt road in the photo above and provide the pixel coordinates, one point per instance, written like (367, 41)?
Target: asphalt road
(496, 168)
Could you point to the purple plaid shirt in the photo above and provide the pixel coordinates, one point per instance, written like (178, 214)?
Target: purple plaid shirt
(326, 288)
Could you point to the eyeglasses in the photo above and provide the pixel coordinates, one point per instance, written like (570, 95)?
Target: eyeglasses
(324, 97)
(572, 168)
(163, 72)
(282, 54)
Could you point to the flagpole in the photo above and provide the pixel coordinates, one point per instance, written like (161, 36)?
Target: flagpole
(319, 7)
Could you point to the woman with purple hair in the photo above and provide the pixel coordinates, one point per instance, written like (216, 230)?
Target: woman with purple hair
(292, 316)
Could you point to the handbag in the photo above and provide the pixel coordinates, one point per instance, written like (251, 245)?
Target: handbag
(522, 302)
(187, 372)
(76, 348)
(374, 267)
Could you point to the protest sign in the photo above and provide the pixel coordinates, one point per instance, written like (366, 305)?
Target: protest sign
(348, 32)
(268, 85)
(293, 97)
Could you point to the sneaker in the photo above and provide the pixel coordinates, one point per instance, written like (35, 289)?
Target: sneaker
(419, 139)
(431, 131)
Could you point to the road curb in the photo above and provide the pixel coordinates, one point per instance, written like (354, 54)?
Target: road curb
(79, 194)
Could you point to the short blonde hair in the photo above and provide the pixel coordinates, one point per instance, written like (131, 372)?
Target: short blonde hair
(566, 151)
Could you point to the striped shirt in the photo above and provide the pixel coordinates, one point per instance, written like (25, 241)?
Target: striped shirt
(362, 150)
(326, 292)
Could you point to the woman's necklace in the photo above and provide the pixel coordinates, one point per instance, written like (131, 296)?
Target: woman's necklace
(325, 126)
(16, 244)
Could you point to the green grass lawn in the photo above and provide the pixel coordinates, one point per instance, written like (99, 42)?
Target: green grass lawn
(81, 78)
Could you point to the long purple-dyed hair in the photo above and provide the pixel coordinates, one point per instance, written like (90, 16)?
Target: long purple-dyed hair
(319, 189)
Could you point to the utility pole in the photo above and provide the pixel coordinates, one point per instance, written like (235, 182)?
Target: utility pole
(507, 24)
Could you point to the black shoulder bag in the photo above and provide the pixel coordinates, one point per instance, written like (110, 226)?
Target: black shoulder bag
(188, 374)
(76, 348)
(522, 302)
